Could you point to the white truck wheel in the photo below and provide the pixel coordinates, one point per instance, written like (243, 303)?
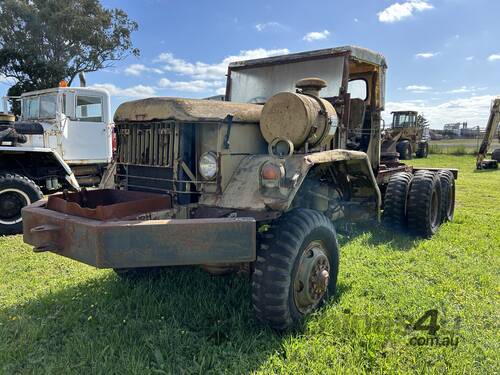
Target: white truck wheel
(16, 191)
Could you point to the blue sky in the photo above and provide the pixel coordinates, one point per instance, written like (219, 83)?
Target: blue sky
(443, 55)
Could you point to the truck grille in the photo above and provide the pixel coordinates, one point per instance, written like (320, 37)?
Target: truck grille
(146, 144)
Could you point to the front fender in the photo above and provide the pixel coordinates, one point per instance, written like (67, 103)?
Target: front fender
(244, 191)
(34, 151)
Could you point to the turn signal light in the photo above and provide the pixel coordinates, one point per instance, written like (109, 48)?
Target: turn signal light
(271, 175)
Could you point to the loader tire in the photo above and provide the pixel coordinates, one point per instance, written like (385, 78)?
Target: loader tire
(423, 150)
(16, 192)
(405, 151)
(424, 204)
(447, 195)
(495, 155)
(296, 268)
(395, 202)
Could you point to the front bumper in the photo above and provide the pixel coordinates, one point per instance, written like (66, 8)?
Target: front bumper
(131, 244)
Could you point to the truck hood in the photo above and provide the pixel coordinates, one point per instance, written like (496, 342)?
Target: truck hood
(186, 110)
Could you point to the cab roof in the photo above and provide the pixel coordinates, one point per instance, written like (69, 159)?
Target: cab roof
(89, 90)
(404, 112)
(355, 53)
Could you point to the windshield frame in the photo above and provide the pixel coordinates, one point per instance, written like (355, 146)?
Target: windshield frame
(410, 120)
(26, 115)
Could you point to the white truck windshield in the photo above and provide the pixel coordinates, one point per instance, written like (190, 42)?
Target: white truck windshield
(37, 107)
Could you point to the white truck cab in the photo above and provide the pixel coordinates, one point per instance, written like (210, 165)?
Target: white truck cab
(63, 139)
(77, 123)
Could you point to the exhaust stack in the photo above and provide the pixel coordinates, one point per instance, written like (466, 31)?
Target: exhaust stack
(83, 81)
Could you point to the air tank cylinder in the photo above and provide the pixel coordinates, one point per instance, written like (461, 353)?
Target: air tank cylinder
(301, 117)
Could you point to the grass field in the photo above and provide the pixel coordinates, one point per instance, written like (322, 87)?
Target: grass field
(61, 317)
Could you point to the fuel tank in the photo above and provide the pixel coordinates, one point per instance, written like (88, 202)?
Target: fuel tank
(301, 117)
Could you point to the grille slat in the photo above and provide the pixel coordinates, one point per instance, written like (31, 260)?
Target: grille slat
(147, 144)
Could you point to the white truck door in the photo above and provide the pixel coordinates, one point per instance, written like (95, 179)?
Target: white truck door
(86, 129)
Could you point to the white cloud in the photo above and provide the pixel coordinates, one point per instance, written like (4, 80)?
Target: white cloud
(316, 35)
(269, 25)
(191, 86)
(418, 89)
(203, 71)
(469, 58)
(474, 109)
(427, 55)
(399, 11)
(460, 90)
(205, 77)
(138, 69)
(139, 91)
(7, 81)
(464, 89)
(494, 57)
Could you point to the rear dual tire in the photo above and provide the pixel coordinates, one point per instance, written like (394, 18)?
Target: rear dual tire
(448, 195)
(424, 204)
(395, 202)
(420, 202)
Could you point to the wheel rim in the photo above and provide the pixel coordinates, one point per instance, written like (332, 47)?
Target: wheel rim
(312, 277)
(11, 203)
(434, 209)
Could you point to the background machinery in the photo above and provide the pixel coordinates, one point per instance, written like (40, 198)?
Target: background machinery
(63, 139)
(491, 129)
(405, 136)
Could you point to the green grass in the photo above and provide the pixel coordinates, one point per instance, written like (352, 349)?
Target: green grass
(455, 150)
(60, 317)
(457, 147)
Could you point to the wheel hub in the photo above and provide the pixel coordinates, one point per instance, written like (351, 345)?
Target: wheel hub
(312, 277)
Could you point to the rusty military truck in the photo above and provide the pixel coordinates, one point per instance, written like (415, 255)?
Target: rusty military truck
(258, 182)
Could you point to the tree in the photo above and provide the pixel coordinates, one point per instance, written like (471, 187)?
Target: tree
(45, 41)
(422, 122)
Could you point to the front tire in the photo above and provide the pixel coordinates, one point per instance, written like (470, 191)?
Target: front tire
(16, 192)
(296, 268)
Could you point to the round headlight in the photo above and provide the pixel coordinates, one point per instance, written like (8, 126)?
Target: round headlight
(207, 166)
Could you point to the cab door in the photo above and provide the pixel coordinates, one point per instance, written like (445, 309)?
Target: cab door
(86, 128)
